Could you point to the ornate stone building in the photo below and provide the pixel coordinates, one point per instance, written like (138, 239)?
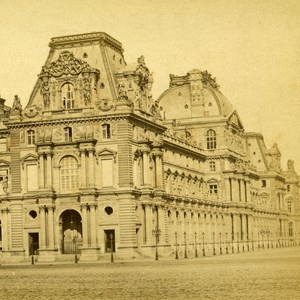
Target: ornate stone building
(94, 163)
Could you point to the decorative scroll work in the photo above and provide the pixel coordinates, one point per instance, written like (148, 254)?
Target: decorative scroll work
(235, 142)
(67, 64)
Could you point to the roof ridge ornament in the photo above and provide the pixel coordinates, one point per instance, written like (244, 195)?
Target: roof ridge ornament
(207, 79)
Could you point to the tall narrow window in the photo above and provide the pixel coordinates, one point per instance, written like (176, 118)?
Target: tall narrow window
(68, 99)
(106, 131)
(0, 232)
(68, 134)
(69, 173)
(32, 177)
(212, 166)
(211, 139)
(107, 172)
(30, 137)
(289, 206)
(290, 228)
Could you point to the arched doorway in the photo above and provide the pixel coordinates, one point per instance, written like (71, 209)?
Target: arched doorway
(70, 231)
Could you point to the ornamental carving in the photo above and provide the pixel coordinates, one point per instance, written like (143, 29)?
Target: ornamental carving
(67, 64)
(17, 106)
(208, 80)
(104, 104)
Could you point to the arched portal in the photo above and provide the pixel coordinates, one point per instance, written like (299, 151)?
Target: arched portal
(70, 231)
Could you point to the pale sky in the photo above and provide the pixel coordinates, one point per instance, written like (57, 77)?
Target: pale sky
(251, 47)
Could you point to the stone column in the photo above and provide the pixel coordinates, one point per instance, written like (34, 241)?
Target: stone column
(43, 227)
(158, 169)
(228, 190)
(83, 168)
(91, 168)
(51, 226)
(247, 191)
(146, 177)
(41, 172)
(49, 171)
(93, 226)
(235, 190)
(148, 214)
(242, 187)
(85, 239)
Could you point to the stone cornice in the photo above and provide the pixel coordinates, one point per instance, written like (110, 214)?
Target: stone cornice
(72, 40)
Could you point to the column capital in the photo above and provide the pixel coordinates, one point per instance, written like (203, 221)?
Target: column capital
(42, 208)
(5, 210)
(51, 207)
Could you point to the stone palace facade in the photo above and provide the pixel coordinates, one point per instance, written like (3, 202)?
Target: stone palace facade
(93, 164)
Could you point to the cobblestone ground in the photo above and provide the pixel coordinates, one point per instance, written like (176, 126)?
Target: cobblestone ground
(268, 274)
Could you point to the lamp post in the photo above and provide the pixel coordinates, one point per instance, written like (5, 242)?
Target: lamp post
(214, 248)
(220, 234)
(196, 251)
(252, 241)
(176, 245)
(268, 233)
(248, 248)
(258, 245)
(237, 241)
(75, 248)
(111, 248)
(156, 234)
(232, 242)
(32, 251)
(262, 238)
(185, 245)
(226, 245)
(203, 245)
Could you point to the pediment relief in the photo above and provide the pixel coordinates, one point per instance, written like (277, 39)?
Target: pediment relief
(29, 157)
(4, 162)
(67, 64)
(106, 151)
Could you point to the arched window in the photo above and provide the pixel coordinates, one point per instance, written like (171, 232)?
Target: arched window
(69, 173)
(68, 97)
(106, 131)
(68, 134)
(30, 137)
(211, 139)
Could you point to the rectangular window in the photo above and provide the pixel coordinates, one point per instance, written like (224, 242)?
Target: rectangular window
(290, 228)
(263, 183)
(107, 172)
(3, 147)
(213, 189)
(288, 188)
(32, 177)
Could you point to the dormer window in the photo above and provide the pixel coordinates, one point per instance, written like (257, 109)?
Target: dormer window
(30, 137)
(68, 98)
(106, 131)
(211, 139)
(68, 134)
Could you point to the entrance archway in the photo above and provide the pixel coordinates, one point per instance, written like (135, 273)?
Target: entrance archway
(70, 231)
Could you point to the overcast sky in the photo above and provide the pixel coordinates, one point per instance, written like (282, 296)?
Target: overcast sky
(251, 47)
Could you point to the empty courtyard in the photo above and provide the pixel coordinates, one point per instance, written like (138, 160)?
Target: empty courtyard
(268, 274)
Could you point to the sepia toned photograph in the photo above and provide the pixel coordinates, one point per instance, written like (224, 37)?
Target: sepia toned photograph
(149, 149)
